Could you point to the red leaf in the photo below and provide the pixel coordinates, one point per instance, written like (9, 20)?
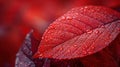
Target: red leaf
(80, 32)
(108, 57)
(101, 59)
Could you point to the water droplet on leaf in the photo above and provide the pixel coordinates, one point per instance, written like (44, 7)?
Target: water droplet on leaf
(89, 52)
(68, 17)
(92, 48)
(103, 26)
(63, 17)
(89, 31)
(97, 31)
(75, 45)
(61, 49)
(41, 55)
(68, 50)
(85, 7)
(76, 13)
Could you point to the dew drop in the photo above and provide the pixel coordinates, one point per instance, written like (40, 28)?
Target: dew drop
(92, 48)
(97, 31)
(69, 18)
(106, 43)
(89, 31)
(81, 9)
(48, 32)
(103, 26)
(98, 9)
(84, 10)
(41, 55)
(89, 52)
(76, 13)
(68, 50)
(61, 49)
(42, 38)
(74, 17)
(92, 10)
(75, 45)
(62, 17)
(85, 7)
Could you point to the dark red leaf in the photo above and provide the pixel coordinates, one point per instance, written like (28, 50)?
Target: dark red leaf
(108, 57)
(80, 32)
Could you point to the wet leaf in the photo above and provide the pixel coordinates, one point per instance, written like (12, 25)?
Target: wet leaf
(108, 57)
(80, 32)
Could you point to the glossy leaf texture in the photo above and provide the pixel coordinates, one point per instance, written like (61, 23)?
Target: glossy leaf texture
(24, 56)
(80, 32)
(108, 57)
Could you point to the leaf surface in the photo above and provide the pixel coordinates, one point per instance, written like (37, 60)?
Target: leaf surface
(80, 32)
(108, 57)
(24, 55)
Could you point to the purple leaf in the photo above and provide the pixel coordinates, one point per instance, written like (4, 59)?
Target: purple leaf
(24, 55)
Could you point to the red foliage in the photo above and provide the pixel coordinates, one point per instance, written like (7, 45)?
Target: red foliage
(83, 33)
(17, 17)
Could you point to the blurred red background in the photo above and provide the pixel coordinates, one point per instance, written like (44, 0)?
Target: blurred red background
(18, 17)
